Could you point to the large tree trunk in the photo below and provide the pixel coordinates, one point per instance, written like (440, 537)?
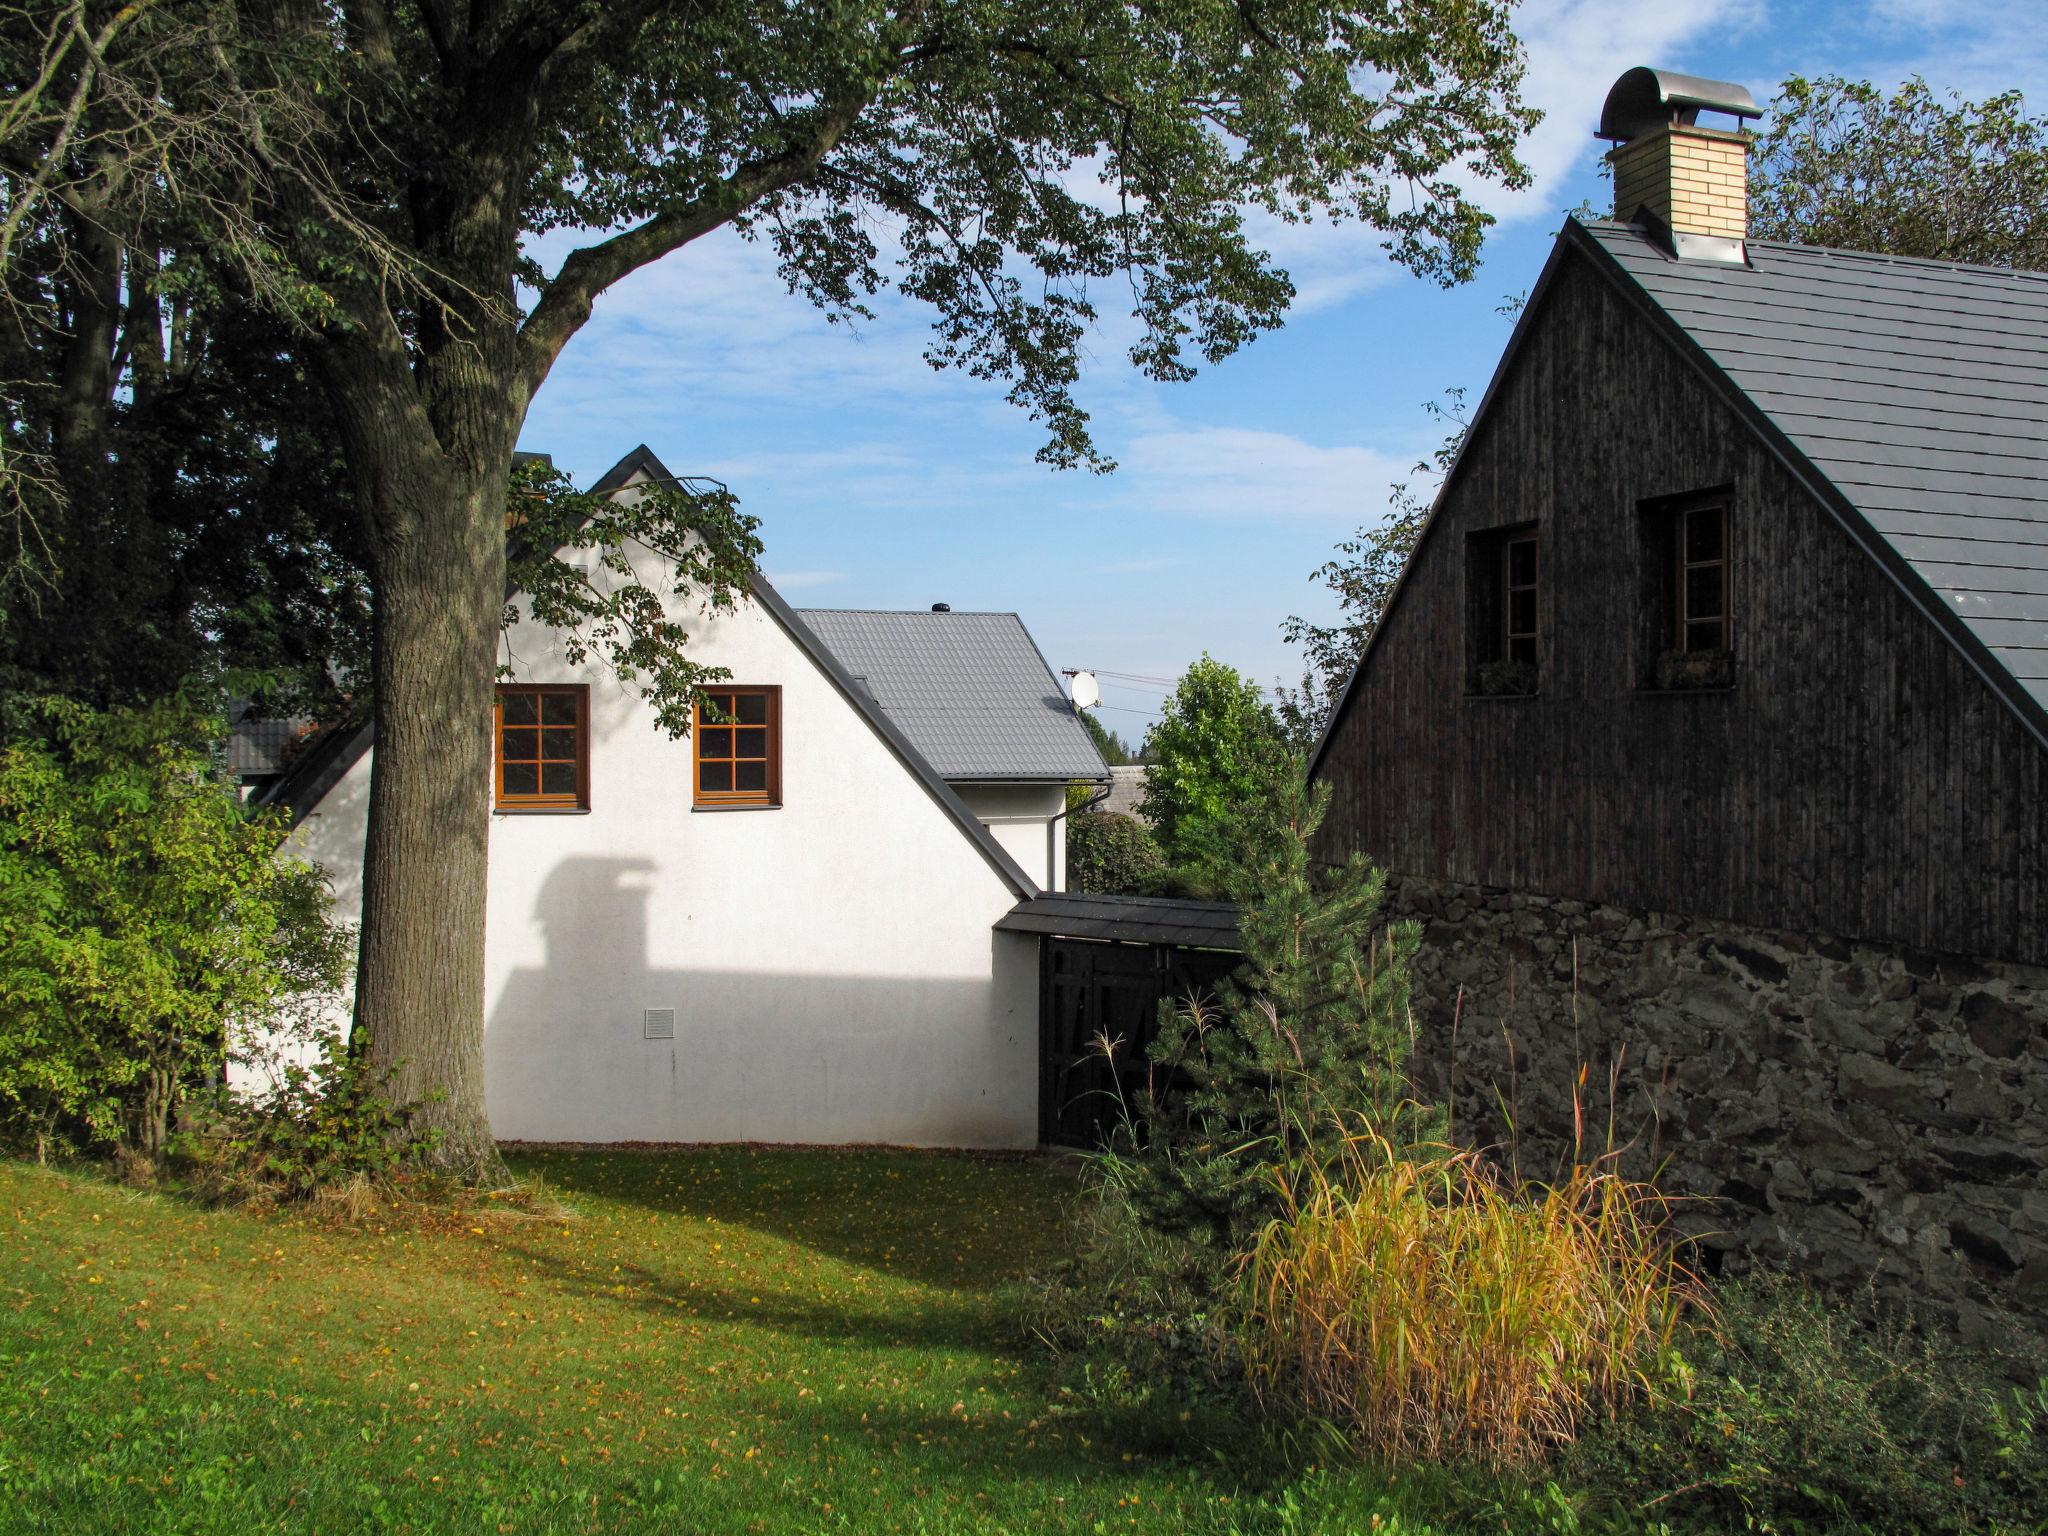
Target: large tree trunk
(438, 536)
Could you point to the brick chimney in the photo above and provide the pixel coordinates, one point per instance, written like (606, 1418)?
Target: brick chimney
(1686, 184)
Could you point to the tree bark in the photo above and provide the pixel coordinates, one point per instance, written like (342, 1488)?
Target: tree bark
(420, 969)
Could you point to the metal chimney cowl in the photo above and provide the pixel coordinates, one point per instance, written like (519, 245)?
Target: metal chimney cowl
(1685, 184)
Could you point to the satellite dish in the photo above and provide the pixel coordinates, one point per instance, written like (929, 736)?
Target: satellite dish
(1087, 692)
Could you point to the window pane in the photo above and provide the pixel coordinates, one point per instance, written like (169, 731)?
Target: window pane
(523, 744)
(558, 708)
(752, 708)
(1703, 592)
(558, 742)
(1703, 637)
(714, 776)
(750, 744)
(519, 708)
(1523, 649)
(558, 778)
(715, 741)
(1703, 534)
(521, 779)
(752, 776)
(715, 706)
(1522, 612)
(1522, 563)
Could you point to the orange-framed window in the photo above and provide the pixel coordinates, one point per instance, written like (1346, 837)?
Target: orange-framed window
(543, 747)
(737, 736)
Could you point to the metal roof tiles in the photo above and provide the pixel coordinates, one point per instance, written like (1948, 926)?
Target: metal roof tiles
(971, 691)
(1918, 388)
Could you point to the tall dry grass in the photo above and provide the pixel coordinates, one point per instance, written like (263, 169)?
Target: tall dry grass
(1426, 1309)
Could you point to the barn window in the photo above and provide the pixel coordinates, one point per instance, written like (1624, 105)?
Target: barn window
(1702, 579)
(1504, 611)
(1689, 604)
(543, 747)
(738, 757)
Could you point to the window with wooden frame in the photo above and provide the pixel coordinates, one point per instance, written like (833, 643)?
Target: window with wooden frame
(1701, 609)
(1504, 611)
(737, 737)
(543, 747)
(1688, 625)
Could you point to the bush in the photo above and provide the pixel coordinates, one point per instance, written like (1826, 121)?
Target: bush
(1110, 854)
(144, 915)
(1427, 1312)
(1310, 1039)
(319, 1126)
(1812, 1413)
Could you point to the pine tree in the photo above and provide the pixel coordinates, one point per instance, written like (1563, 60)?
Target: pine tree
(1306, 1046)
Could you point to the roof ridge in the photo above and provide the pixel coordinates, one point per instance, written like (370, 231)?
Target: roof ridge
(1883, 258)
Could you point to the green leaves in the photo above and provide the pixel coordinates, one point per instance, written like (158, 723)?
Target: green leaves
(1840, 163)
(1217, 751)
(143, 917)
(572, 559)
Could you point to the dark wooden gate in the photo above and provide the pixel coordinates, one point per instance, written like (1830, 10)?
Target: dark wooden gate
(1098, 1014)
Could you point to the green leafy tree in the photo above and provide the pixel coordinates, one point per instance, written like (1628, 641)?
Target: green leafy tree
(1110, 854)
(144, 916)
(1308, 1043)
(1018, 159)
(1217, 751)
(1840, 162)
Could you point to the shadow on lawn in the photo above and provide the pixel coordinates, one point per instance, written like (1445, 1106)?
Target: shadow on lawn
(957, 1221)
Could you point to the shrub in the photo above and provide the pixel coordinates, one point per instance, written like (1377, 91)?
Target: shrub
(1427, 1311)
(1311, 1037)
(143, 915)
(1217, 749)
(1810, 1412)
(1110, 854)
(321, 1125)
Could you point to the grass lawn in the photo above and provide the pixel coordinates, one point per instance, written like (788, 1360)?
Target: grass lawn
(727, 1340)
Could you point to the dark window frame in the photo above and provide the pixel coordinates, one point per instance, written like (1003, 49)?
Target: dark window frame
(1678, 651)
(769, 795)
(1684, 623)
(540, 800)
(1494, 641)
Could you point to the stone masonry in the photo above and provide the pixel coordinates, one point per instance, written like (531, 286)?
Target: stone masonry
(1866, 1114)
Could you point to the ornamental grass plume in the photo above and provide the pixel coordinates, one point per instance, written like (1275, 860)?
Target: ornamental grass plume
(1427, 1310)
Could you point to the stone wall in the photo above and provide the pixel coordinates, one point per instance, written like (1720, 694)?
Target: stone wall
(1866, 1114)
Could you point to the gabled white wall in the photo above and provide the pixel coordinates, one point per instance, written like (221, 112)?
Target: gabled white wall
(1020, 816)
(832, 962)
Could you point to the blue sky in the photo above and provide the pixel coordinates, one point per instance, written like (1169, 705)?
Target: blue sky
(880, 483)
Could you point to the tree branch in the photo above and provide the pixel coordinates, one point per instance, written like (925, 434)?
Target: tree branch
(566, 302)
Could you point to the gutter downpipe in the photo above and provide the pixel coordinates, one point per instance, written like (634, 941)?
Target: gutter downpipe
(1052, 848)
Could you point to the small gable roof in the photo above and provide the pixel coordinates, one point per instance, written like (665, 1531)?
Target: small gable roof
(971, 691)
(329, 758)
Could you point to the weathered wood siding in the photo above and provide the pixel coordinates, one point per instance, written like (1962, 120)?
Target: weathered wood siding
(1858, 780)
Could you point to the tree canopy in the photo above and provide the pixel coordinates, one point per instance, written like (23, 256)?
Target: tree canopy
(1841, 163)
(370, 174)
(1217, 749)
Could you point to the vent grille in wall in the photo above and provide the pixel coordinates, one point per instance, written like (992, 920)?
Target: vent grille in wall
(661, 1023)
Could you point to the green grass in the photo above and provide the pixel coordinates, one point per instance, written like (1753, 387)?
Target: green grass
(726, 1340)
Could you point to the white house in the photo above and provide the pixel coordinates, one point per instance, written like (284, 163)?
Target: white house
(781, 929)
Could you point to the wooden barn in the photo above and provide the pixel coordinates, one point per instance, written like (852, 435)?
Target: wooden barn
(1706, 727)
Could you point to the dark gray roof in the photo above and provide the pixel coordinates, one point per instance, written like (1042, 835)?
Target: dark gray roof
(1126, 789)
(1919, 389)
(1129, 919)
(329, 757)
(971, 690)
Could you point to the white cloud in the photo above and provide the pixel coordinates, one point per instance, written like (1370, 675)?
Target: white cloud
(1241, 474)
